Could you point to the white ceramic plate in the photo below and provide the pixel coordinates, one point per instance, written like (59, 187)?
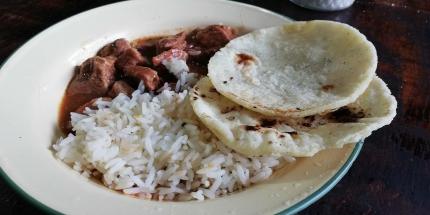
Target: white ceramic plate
(34, 78)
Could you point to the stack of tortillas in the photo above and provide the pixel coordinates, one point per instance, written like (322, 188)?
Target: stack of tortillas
(294, 90)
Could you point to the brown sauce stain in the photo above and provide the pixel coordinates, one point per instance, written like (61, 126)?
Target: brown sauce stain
(69, 104)
(244, 59)
(327, 87)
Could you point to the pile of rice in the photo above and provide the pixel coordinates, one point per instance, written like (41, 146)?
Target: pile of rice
(153, 146)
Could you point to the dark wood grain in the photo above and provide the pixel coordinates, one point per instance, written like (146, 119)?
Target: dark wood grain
(392, 174)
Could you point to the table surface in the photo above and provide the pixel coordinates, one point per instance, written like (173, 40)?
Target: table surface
(392, 173)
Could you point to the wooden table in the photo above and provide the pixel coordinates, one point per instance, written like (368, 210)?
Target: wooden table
(392, 174)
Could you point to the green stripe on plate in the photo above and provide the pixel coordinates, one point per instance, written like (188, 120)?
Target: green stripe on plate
(327, 186)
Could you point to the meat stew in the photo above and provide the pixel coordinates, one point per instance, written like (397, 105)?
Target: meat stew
(120, 65)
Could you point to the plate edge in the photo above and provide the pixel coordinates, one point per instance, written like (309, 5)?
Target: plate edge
(326, 187)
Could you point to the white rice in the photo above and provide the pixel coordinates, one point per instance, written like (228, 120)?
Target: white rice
(179, 68)
(155, 147)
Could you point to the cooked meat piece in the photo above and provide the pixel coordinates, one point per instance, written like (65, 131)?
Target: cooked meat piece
(172, 42)
(130, 57)
(93, 78)
(214, 36)
(91, 104)
(120, 87)
(168, 55)
(147, 46)
(147, 75)
(203, 43)
(114, 48)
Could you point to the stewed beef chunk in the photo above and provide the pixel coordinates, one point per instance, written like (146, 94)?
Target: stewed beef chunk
(93, 78)
(171, 42)
(130, 57)
(120, 87)
(147, 75)
(214, 36)
(203, 43)
(115, 48)
(169, 55)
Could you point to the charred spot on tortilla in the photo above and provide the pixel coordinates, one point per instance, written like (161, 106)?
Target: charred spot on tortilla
(225, 82)
(231, 118)
(307, 124)
(213, 90)
(244, 59)
(345, 114)
(268, 122)
(327, 87)
(310, 118)
(293, 134)
(228, 110)
(308, 121)
(252, 127)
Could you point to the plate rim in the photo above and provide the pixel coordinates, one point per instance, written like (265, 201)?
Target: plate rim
(293, 209)
(327, 186)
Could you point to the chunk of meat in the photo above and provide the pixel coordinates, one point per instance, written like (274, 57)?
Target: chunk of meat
(91, 104)
(147, 75)
(130, 57)
(203, 43)
(214, 36)
(172, 42)
(93, 78)
(114, 48)
(168, 55)
(120, 87)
